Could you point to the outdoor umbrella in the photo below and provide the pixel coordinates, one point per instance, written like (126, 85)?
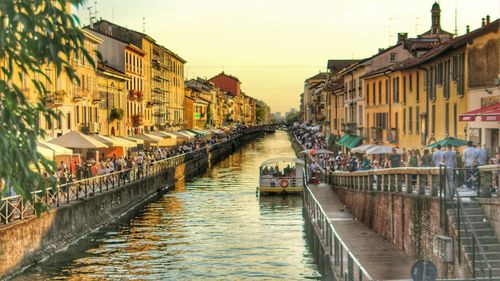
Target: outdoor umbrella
(363, 148)
(77, 140)
(383, 150)
(449, 140)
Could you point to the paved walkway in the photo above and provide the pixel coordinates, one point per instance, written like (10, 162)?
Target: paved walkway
(381, 259)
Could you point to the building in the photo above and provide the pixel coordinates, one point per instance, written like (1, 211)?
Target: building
(112, 88)
(167, 80)
(311, 85)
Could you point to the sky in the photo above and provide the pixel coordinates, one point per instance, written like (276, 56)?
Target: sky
(272, 46)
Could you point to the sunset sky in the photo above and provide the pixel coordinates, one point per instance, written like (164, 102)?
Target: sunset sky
(272, 46)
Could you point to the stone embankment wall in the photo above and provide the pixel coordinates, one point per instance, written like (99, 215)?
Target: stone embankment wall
(29, 241)
(491, 208)
(410, 222)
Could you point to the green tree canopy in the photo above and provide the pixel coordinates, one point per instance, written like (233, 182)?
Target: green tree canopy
(34, 34)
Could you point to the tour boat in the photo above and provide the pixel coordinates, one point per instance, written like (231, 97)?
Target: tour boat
(281, 175)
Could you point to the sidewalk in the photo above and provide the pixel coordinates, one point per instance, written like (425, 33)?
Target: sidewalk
(381, 259)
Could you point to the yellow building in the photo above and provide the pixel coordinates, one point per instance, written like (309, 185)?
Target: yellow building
(112, 87)
(418, 101)
(86, 96)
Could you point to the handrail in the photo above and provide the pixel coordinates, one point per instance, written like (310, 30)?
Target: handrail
(335, 234)
(460, 211)
(72, 191)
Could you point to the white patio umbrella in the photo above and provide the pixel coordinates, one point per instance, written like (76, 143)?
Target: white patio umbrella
(363, 148)
(382, 150)
(77, 140)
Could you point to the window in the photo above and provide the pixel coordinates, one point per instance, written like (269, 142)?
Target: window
(404, 89)
(386, 91)
(410, 120)
(395, 89)
(417, 120)
(360, 113)
(77, 114)
(455, 119)
(379, 92)
(68, 121)
(417, 96)
(404, 120)
(410, 82)
(393, 57)
(367, 95)
(447, 118)
(374, 101)
(433, 120)
(360, 88)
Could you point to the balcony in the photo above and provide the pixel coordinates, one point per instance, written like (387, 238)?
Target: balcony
(377, 134)
(137, 120)
(134, 95)
(98, 97)
(55, 99)
(78, 95)
(349, 128)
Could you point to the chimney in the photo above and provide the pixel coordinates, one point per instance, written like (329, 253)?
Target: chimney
(487, 19)
(402, 36)
(380, 50)
(482, 22)
(467, 29)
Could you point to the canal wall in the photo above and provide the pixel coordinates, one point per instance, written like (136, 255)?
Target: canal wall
(34, 239)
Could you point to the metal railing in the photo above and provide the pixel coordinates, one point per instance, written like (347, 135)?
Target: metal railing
(421, 181)
(343, 261)
(477, 255)
(14, 208)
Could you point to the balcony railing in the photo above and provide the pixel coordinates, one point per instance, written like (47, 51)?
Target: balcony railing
(377, 134)
(137, 120)
(349, 127)
(55, 99)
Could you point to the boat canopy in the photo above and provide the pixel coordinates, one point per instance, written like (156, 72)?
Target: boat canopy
(282, 159)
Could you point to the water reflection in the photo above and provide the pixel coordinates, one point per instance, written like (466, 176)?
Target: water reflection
(214, 228)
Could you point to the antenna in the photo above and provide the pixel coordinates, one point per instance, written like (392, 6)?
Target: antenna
(456, 30)
(113, 14)
(391, 36)
(416, 26)
(143, 24)
(92, 14)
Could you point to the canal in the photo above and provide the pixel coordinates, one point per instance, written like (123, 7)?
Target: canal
(213, 228)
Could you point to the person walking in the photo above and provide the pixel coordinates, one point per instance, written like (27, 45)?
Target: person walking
(395, 159)
(437, 156)
(450, 162)
(470, 162)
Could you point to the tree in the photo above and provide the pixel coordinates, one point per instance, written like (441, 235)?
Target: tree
(260, 112)
(34, 34)
(292, 118)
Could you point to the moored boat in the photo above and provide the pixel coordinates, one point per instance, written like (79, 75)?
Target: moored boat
(281, 175)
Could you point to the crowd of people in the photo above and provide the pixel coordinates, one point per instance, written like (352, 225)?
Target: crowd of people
(462, 168)
(144, 158)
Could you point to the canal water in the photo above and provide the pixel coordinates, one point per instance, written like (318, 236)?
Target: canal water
(214, 228)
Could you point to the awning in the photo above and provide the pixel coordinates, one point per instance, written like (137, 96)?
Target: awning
(107, 141)
(148, 139)
(487, 113)
(123, 142)
(134, 140)
(343, 139)
(189, 133)
(78, 140)
(167, 139)
(354, 142)
(56, 149)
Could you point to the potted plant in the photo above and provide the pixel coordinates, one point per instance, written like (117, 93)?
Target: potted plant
(116, 114)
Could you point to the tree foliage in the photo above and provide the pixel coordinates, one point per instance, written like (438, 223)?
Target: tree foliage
(34, 35)
(292, 117)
